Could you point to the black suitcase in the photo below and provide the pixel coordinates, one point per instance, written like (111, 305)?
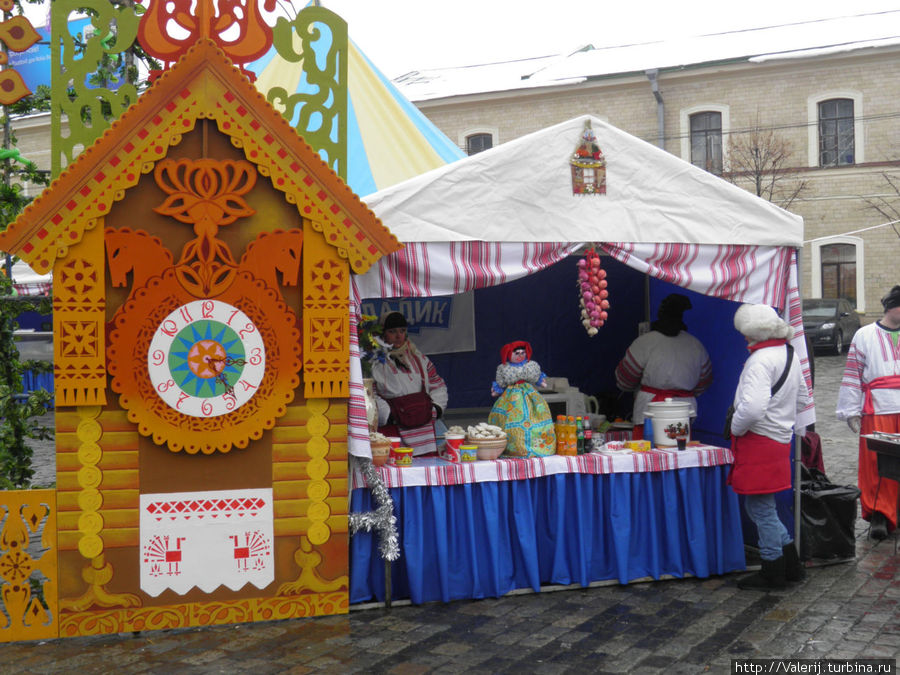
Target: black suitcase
(827, 517)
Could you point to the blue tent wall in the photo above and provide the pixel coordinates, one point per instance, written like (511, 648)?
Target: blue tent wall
(543, 309)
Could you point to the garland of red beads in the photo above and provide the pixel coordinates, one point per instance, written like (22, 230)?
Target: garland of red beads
(592, 289)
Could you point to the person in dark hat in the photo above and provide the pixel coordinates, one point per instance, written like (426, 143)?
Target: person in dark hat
(869, 400)
(407, 374)
(666, 362)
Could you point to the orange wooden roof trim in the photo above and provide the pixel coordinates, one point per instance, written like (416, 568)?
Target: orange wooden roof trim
(203, 84)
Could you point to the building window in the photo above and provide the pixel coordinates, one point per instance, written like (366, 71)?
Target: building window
(839, 271)
(706, 141)
(478, 142)
(836, 138)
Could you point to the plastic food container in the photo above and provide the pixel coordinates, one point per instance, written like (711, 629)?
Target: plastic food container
(468, 453)
(402, 456)
(671, 421)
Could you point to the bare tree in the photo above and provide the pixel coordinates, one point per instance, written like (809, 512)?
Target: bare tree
(888, 205)
(758, 161)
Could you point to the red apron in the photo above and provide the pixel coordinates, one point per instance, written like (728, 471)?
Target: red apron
(761, 465)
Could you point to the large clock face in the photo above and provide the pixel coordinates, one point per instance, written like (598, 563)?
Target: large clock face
(206, 358)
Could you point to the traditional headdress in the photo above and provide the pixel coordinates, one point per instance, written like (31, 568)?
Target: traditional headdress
(508, 349)
(760, 323)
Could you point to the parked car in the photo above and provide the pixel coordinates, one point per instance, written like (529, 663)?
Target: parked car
(830, 323)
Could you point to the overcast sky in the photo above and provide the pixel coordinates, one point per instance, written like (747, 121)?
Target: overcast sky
(403, 35)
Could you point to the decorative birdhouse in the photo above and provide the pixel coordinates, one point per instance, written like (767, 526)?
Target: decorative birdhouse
(201, 254)
(588, 165)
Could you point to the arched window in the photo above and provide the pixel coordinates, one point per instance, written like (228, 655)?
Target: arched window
(706, 141)
(837, 143)
(478, 142)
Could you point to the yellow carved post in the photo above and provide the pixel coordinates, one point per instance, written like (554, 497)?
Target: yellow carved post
(90, 523)
(326, 319)
(79, 308)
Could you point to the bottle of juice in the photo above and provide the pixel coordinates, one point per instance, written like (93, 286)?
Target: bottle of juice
(572, 438)
(560, 430)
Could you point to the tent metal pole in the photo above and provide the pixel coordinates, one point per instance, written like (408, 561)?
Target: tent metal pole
(797, 443)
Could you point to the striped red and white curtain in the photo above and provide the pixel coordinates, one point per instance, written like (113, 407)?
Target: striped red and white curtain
(757, 274)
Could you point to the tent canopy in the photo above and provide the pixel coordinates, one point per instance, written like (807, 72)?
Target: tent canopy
(388, 139)
(522, 191)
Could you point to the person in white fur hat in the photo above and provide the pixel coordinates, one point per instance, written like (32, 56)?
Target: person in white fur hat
(770, 393)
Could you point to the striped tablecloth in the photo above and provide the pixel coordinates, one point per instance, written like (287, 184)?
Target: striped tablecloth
(436, 471)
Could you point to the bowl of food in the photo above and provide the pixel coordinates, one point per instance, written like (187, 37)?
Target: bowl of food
(488, 438)
(490, 448)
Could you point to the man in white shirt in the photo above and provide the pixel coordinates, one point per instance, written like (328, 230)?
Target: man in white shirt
(869, 400)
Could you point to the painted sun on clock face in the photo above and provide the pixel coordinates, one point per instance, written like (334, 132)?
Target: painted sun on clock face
(206, 358)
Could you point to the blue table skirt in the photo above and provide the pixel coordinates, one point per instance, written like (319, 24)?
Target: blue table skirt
(482, 540)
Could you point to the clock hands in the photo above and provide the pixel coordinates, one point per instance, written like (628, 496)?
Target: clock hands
(219, 366)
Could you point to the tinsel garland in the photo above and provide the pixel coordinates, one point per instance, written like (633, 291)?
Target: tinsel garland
(382, 519)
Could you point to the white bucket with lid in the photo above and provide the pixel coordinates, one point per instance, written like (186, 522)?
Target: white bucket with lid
(671, 421)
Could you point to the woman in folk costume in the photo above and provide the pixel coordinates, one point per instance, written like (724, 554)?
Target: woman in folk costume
(407, 373)
(520, 410)
(869, 400)
(667, 362)
(770, 393)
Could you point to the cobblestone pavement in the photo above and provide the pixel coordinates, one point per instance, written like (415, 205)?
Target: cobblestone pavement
(842, 611)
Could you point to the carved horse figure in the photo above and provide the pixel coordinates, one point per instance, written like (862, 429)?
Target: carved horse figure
(272, 253)
(137, 252)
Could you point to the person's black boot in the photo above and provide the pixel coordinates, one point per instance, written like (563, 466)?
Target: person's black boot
(878, 526)
(793, 567)
(769, 578)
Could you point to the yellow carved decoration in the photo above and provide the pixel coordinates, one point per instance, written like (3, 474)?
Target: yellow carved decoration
(325, 432)
(28, 615)
(79, 318)
(97, 576)
(90, 523)
(326, 319)
(202, 614)
(310, 580)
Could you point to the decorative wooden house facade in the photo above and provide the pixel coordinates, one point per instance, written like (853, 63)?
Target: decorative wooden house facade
(201, 254)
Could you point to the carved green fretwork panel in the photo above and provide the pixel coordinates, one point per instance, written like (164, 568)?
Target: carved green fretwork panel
(317, 41)
(87, 105)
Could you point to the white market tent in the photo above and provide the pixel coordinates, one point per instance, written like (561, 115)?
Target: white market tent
(522, 191)
(510, 211)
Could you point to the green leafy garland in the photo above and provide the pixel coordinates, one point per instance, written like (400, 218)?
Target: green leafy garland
(18, 411)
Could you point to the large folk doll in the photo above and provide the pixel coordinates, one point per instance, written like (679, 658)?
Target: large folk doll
(520, 410)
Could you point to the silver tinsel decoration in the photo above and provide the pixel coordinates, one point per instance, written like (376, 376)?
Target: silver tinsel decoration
(382, 519)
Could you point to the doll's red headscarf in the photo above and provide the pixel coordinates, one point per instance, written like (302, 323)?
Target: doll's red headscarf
(508, 349)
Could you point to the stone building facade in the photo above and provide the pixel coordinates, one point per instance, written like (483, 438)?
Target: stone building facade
(850, 248)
